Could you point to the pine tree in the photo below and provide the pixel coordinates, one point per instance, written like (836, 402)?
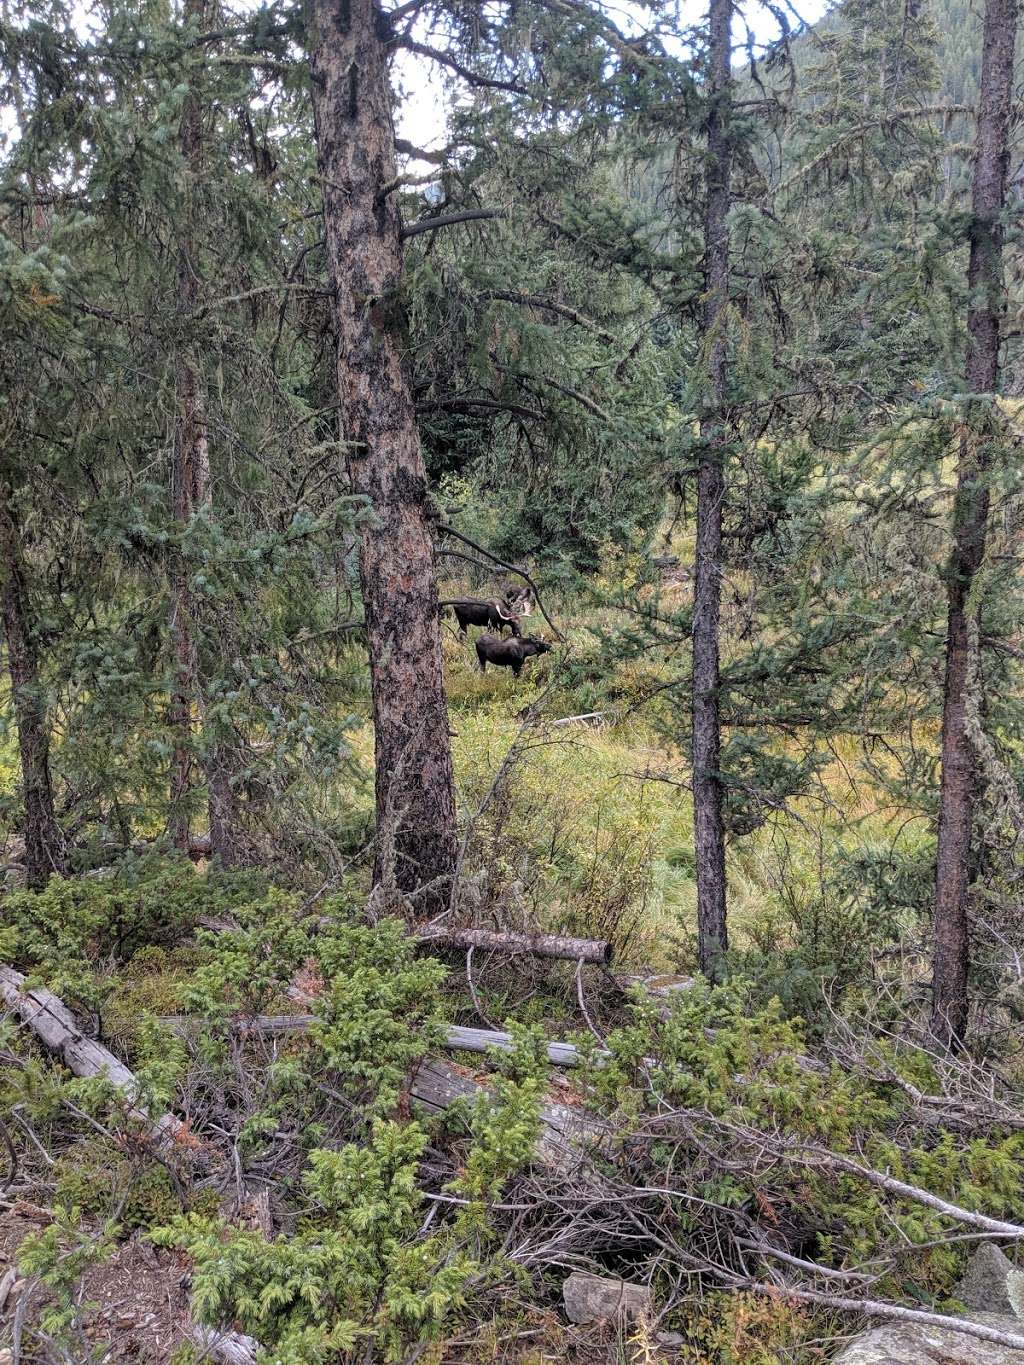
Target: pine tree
(709, 829)
(958, 793)
(416, 828)
(190, 475)
(44, 841)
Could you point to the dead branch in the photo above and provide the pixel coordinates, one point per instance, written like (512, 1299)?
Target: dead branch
(874, 1308)
(561, 310)
(449, 220)
(458, 1038)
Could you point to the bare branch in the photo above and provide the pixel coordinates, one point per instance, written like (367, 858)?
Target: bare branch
(473, 78)
(551, 306)
(449, 219)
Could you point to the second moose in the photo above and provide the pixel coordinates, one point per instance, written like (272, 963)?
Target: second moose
(495, 614)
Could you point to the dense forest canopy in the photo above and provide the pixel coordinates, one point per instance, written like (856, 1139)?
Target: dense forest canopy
(512, 767)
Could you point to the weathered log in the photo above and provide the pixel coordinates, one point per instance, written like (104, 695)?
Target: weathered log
(54, 1025)
(227, 1348)
(566, 1130)
(538, 945)
(463, 1039)
(436, 1084)
(660, 988)
(558, 946)
(458, 1038)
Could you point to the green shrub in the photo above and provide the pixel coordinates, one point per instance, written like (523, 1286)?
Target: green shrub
(736, 1069)
(70, 934)
(352, 1272)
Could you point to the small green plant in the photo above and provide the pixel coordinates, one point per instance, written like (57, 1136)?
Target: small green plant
(353, 1272)
(71, 934)
(738, 1072)
(380, 1011)
(59, 1255)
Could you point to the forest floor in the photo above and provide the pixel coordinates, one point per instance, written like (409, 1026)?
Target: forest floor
(589, 832)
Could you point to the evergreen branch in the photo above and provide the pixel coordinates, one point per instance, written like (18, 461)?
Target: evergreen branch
(562, 309)
(256, 62)
(485, 404)
(569, 392)
(627, 48)
(870, 125)
(247, 294)
(471, 77)
(448, 219)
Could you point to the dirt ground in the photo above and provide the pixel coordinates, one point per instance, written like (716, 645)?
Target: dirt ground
(135, 1303)
(134, 1307)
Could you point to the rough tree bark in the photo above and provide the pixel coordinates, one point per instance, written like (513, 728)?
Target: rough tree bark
(958, 792)
(502, 940)
(709, 832)
(44, 842)
(416, 843)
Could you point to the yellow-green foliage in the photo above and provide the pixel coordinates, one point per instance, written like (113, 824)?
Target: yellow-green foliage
(586, 836)
(95, 1177)
(744, 1329)
(739, 1071)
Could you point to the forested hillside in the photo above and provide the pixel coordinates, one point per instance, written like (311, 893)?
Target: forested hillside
(512, 678)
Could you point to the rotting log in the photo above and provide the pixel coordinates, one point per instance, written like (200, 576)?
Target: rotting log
(46, 1015)
(227, 1347)
(436, 1084)
(504, 941)
(566, 1129)
(557, 946)
(660, 988)
(463, 1039)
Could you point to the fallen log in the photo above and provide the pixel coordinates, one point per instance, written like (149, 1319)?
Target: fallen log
(557, 946)
(659, 988)
(584, 718)
(464, 1039)
(504, 941)
(566, 1129)
(457, 1037)
(227, 1347)
(435, 1084)
(46, 1015)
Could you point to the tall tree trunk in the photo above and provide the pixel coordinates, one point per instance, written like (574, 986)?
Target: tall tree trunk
(709, 833)
(189, 476)
(958, 791)
(416, 830)
(191, 492)
(44, 843)
(190, 464)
